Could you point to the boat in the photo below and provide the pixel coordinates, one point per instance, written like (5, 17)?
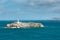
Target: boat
(24, 25)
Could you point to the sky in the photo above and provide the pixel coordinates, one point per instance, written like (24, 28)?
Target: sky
(29, 9)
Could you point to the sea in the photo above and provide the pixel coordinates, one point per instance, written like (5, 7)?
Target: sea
(50, 31)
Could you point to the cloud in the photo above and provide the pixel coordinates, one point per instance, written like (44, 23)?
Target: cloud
(37, 2)
(34, 6)
(50, 5)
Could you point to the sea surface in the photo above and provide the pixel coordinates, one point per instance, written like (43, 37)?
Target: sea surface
(50, 31)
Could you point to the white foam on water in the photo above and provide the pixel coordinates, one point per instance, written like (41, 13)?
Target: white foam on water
(18, 27)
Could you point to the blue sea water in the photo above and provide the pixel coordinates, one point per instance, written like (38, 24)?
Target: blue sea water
(51, 31)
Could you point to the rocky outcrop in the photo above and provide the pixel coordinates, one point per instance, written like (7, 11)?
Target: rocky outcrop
(24, 25)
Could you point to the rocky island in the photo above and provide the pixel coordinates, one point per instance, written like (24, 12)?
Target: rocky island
(24, 25)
